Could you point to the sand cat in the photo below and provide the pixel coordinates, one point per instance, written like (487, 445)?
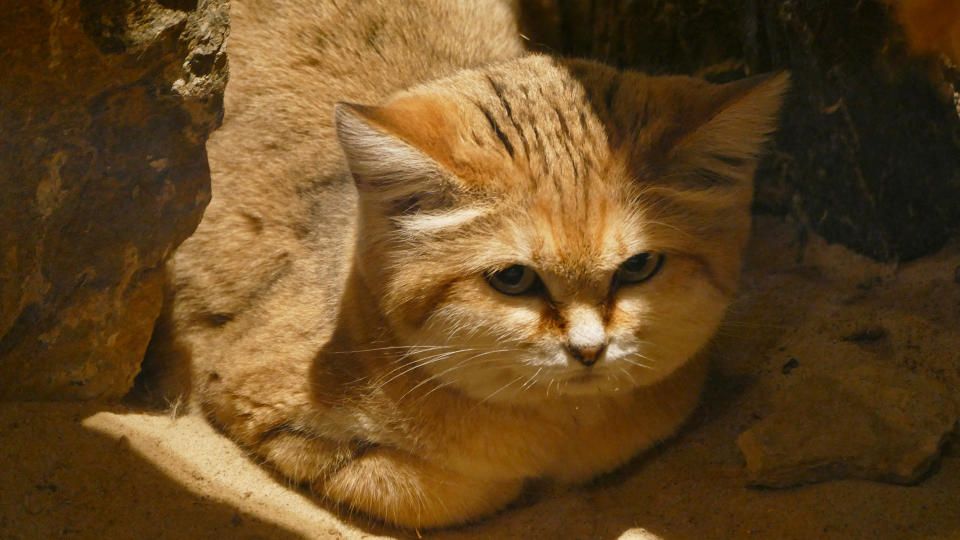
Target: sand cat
(435, 266)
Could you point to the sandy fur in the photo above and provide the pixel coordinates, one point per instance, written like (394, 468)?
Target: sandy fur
(332, 309)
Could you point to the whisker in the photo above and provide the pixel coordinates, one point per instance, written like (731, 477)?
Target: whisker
(448, 370)
(635, 363)
(530, 382)
(490, 363)
(627, 373)
(414, 364)
(418, 347)
(502, 388)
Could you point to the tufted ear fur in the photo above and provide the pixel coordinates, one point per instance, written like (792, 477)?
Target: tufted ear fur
(389, 168)
(721, 144)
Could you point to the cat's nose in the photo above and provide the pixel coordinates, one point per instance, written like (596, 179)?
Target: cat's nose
(587, 356)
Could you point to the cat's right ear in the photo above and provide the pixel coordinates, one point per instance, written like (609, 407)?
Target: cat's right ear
(387, 169)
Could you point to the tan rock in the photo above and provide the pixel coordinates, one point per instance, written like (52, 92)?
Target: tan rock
(104, 111)
(867, 422)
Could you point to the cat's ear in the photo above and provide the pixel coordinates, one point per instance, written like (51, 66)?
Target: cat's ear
(725, 141)
(388, 162)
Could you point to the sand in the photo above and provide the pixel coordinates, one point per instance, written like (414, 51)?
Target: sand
(86, 470)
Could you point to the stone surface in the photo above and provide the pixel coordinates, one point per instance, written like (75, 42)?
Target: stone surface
(869, 151)
(104, 111)
(867, 422)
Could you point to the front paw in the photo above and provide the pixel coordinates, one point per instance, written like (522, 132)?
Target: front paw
(304, 458)
(405, 490)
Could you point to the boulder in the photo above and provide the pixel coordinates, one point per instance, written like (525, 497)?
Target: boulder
(104, 111)
(870, 422)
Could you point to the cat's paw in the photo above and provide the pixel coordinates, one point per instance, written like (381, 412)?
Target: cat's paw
(303, 458)
(407, 491)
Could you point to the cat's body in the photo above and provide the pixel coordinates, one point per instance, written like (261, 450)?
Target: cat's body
(356, 343)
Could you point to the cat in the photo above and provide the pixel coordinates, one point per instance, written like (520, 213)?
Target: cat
(436, 266)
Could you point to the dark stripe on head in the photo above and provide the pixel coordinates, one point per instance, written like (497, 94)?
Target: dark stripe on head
(496, 129)
(729, 160)
(565, 134)
(713, 178)
(498, 90)
(563, 123)
(612, 91)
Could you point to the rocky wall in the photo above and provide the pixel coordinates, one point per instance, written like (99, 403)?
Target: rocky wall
(104, 111)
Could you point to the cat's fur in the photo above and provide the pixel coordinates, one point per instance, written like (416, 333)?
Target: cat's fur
(341, 327)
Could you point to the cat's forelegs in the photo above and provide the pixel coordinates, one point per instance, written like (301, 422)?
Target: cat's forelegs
(304, 459)
(406, 490)
(382, 482)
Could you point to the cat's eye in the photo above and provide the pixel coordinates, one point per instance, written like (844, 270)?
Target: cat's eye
(514, 280)
(639, 268)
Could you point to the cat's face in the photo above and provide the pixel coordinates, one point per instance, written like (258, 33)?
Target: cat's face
(540, 229)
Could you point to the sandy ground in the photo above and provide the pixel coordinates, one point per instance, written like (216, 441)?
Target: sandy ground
(84, 471)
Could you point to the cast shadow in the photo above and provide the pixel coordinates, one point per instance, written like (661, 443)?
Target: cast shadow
(65, 479)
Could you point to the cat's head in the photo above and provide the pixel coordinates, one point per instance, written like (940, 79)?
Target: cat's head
(550, 227)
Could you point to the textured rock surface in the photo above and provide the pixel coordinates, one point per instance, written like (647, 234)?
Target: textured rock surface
(869, 153)
(868, 422)
(104, 111)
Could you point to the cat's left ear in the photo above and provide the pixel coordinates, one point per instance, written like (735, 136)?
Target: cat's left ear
(725, 143)
(388, 156)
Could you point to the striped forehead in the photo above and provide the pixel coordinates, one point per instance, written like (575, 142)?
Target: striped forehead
(574, 239)
(543, 124)
(556, 188)
(561, 179)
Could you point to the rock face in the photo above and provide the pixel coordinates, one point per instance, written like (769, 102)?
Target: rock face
(869, 151)
(104, 111)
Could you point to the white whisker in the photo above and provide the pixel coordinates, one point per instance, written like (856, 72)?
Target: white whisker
(448, 370)
(502, 388)
(635, 363)
(531, 381)
(414, 364)
(627, 373)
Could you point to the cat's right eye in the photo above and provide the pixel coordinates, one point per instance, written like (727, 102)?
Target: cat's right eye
(514, 280)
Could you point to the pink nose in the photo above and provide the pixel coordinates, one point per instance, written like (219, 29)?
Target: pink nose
(586, 355)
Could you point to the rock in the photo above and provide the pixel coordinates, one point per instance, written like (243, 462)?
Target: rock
(866, 422)
(104, 111)
(868, 154)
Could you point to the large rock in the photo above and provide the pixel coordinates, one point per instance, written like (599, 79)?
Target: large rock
(869, 151)
(104, 110)
(870, 422)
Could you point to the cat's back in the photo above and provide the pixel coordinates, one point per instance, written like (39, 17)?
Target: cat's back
(365, 48)
(279, 224)
(291, 60)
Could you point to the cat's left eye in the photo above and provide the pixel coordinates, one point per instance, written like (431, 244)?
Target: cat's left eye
(639, 268)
